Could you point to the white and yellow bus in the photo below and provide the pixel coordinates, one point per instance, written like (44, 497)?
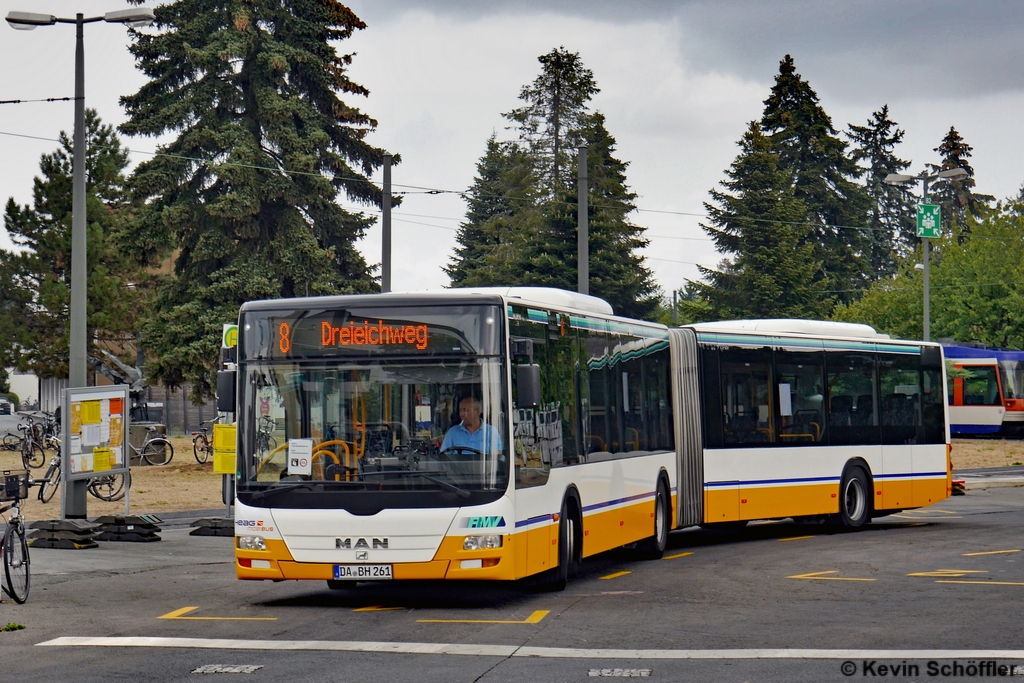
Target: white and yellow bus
(504, 433)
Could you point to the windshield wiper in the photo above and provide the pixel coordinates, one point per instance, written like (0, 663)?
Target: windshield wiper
(292, 486)
(448, 486)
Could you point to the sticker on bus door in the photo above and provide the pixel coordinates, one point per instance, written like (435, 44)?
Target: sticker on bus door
(300, 456)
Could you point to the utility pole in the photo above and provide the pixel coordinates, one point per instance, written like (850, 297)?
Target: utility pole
(385, 262)
(582, 231)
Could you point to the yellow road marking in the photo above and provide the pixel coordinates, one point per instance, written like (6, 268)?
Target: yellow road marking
(177, 614)
(795, 538)
(677, 556)
(534, 618)
(991, 552)
(616, 575)
(818, 576)
(948, 573)
(376, 608)
(989, 583)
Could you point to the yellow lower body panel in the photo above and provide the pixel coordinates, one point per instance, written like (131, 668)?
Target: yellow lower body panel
(614, 528)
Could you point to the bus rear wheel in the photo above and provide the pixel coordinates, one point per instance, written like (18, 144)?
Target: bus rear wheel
(654, 547)
(854, 498)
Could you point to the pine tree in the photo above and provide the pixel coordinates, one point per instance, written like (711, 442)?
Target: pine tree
(246, 191)
(956, 197)
(35, 281)
(823, 178)
(502, 190)
(552, 120)
(892, 224)
(761, 225)
(617, 273)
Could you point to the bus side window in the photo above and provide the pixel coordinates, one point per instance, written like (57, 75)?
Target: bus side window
(747, 396)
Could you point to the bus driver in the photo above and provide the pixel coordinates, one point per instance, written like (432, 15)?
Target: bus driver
(472, 432)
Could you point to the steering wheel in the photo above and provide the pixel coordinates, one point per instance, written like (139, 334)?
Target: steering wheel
(447, 453)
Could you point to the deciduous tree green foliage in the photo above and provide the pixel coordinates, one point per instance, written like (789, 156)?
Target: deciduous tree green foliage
(956, 197)
(977, 292)
(762, 226)
(245, 193)
(891, 227)
(521, 226)
(35, 281)
(823, 179)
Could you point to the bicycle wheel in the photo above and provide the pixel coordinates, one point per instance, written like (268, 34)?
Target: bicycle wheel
(108, 488)
(11, 442)
(157, 451)
(16, 563)
(201, 448)
(52, 483)
(33, 455)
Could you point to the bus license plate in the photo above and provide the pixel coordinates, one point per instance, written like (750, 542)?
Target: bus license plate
(362, 572)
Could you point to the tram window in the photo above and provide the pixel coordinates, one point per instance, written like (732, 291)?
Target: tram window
(747, 397)
(851, 404)
(900, 397)
(982, 387)
(800, 379)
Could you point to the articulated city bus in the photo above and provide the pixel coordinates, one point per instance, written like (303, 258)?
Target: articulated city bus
(989, 399)
(504, 433)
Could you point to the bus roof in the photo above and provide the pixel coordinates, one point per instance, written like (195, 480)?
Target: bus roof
(540, 296)
(813, 328)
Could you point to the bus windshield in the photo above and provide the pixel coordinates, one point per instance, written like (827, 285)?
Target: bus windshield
(362, 427)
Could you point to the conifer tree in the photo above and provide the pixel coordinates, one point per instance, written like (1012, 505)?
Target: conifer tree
(891, 225)
(807, 144)
(956, 197)
(761, 225)
(246, 191)
(502, 190)
(617, 273)
(552, 118)
(35, 280)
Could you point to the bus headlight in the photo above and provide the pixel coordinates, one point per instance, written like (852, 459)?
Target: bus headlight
(481, 542)
(251, 543)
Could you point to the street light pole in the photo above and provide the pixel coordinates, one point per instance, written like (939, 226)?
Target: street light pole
(77, 337)
(79, 301)
(902, 179)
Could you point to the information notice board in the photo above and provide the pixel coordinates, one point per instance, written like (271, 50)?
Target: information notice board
(94, 428)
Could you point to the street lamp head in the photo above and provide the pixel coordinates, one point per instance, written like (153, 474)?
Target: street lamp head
(953, 174)
(26, 21)
(138, 16)
(898, 179)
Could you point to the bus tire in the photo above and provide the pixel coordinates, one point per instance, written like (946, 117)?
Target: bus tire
(854, 498)
(653, 548)
(555, 579)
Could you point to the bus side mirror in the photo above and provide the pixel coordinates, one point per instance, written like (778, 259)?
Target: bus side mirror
(226, 382)
(527, 385)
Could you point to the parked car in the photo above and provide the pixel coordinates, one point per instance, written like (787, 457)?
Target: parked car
(6, 407)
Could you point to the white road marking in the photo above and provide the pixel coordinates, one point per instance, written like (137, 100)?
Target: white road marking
(517, 651)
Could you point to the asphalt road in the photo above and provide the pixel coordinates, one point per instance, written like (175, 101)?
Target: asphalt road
(774, 602)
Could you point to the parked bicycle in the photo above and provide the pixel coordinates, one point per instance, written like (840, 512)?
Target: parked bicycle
(265, 443)
(155, 449)
(10, 442)
(202, 441)
(108, 487)
(32, 453)
(14, 545)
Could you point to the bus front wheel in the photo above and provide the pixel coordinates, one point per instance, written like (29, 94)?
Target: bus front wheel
(555, 578)
(854, 498)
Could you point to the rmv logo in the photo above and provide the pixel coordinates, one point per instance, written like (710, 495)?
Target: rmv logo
(484, 522)
(346, 543)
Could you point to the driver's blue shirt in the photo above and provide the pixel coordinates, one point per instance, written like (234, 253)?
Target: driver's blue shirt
(459, 436)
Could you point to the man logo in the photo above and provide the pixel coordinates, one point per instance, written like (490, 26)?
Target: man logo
(346, 544)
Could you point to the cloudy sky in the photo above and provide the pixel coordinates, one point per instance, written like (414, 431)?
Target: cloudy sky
(679, 81)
